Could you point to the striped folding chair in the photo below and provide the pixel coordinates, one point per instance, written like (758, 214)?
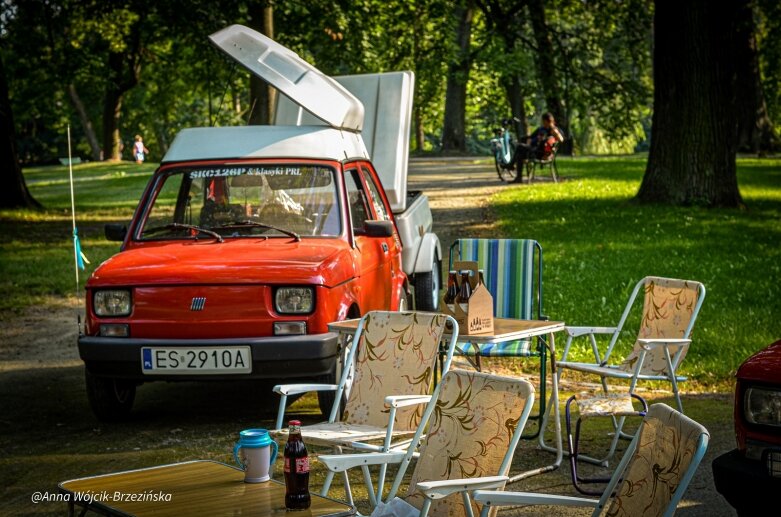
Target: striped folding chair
(509, 272)
(512, 271)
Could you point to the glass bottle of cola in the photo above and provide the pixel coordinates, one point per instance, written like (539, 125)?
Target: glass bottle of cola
(465, 292)
(296, 470)
(452, 290)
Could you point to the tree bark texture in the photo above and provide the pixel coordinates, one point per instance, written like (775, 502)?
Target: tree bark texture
(755, 130)
(123, 72)
(86, 123)
(454, 127)
(693, 139)
(546, 69)
(14, 193)
(261, 94)
(517, 105)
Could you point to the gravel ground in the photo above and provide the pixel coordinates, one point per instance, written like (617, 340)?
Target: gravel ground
(47, 433)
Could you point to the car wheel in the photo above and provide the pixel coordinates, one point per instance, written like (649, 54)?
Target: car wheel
(325, 399)
(427, 289)
(110, 399)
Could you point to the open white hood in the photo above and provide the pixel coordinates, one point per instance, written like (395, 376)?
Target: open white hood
(287, 72)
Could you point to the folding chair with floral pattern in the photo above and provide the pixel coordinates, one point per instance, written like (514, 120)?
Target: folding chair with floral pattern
(391, 371)
(670, 309)
(650, 479)
(477, 422)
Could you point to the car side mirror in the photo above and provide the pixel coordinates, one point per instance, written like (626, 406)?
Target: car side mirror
(378, 228)
(115, 232)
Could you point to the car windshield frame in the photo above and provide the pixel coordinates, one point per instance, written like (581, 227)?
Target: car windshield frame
(230, 228)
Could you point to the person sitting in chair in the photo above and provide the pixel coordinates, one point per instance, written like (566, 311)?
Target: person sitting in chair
(541, 143)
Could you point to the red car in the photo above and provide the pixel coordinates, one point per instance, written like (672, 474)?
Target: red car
(248, 241)
(749, 477)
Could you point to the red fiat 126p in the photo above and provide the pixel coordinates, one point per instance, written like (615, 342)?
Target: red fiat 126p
(248, 241)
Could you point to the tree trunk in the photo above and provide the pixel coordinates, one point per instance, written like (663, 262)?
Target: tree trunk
(454, 131)
(420, 135)
(112, 109)
(693, 140)
(14, 193)
(517, 105)
(262, 96)
(86, 123)
(755, 130)
(543, 59)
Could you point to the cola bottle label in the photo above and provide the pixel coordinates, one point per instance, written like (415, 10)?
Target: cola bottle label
(287, 464)
(302, 465)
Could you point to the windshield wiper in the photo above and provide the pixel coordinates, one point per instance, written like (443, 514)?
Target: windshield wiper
(180, 226)
(253, 224)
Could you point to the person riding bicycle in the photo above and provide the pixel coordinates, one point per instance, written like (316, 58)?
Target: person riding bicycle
(539, 144)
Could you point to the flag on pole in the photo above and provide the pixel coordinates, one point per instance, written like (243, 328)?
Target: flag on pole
(81, 258)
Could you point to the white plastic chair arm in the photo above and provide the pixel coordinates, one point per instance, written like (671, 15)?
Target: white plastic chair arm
(499, 498)
(584, 331)
(649, 344)
(343, 462)
(406, 400)
(295, 389)
(439, 489)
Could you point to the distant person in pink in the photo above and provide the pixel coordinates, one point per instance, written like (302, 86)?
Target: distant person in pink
(139, 149)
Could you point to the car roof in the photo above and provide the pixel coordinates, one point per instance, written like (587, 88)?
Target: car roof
(310, 142)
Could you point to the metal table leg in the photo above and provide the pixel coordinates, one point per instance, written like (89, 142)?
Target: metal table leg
(553, 404)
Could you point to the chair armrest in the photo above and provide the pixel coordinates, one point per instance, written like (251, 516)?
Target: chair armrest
(649, 344)
(499, 498)
(406, 400)
(439, 489)
(584, 331)
(294, 389)
(343, 462)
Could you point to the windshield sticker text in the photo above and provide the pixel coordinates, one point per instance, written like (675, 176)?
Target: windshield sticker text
(249, 171)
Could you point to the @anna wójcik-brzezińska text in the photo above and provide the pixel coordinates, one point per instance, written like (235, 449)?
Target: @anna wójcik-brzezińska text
(104, 496)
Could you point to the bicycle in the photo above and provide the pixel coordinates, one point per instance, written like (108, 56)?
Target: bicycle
(503, 149)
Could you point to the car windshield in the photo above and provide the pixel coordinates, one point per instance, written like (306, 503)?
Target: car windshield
(244, 201)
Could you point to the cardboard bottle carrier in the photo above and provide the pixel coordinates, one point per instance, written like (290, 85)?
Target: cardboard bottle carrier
(479, 316)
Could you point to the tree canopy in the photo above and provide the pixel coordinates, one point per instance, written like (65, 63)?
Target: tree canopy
(116, 69)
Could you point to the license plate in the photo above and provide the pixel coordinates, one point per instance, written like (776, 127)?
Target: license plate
(201, 360)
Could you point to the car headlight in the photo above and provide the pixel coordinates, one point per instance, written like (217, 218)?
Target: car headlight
(294, 300)
(763, 406)
(112, 302)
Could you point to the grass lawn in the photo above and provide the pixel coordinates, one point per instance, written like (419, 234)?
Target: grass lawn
(597, 244)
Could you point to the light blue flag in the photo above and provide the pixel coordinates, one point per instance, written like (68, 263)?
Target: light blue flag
(81, 258)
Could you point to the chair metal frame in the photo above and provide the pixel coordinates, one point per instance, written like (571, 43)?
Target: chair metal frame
(393, 401)
(431, 490)
(492, 498)
(601, 367)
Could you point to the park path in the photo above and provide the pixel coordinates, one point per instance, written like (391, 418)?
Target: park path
(459, 191)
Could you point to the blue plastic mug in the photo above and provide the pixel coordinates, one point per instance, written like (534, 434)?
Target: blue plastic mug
(258, 452)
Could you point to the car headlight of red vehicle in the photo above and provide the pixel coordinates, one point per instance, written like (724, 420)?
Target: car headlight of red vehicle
(112, 302)
(294, 300)
(762, 406)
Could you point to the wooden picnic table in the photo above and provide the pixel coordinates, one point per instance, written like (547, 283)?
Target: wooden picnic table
(199, 487)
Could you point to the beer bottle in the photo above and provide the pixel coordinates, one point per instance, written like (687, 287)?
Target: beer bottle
(465, 292)
(452, 290)
(296, 470)
(480, 278)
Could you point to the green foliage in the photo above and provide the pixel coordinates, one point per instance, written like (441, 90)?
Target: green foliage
(769, 49)
(598, 244)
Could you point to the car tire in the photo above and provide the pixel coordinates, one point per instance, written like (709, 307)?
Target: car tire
(427, 289)
(110, 399)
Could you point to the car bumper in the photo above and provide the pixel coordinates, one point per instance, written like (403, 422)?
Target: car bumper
(278, 357)
(745, 483)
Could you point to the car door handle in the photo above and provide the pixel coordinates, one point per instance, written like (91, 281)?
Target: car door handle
(384, 247)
